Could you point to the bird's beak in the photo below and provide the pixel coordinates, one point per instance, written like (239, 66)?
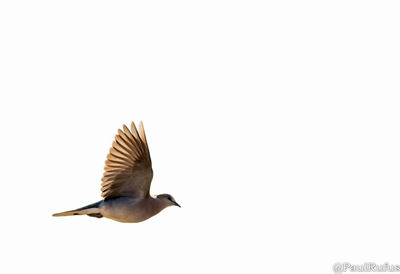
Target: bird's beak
(177, 204)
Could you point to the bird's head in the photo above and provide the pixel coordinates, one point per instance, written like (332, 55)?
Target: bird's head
(167, 200)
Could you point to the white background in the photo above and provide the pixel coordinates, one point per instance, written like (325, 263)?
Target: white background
(275, 124)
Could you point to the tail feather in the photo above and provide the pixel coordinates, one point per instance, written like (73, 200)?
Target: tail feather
(91, 210)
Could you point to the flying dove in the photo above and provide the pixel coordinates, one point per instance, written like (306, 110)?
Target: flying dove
(126, 182)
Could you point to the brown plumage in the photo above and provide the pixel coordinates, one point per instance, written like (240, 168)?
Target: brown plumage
(126, 182)
(128, 170)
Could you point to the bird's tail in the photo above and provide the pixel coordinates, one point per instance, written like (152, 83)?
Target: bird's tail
(92, 210)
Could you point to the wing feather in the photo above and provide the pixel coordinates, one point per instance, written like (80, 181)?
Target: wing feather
(128, 170)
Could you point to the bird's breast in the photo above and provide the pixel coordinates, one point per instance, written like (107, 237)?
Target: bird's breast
(128, 210)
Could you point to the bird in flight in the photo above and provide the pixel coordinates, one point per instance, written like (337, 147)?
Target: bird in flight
(126, 182)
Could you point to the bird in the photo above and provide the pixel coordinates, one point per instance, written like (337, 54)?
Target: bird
(125, 186)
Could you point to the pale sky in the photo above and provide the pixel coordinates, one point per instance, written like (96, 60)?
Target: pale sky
(275, 125)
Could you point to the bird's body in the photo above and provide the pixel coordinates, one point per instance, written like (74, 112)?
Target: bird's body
(126, 182)
(130, 210)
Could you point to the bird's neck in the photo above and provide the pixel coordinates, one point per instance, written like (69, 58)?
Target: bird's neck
(155, 204)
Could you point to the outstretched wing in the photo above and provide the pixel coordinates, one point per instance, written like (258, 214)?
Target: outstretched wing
(128, 171)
